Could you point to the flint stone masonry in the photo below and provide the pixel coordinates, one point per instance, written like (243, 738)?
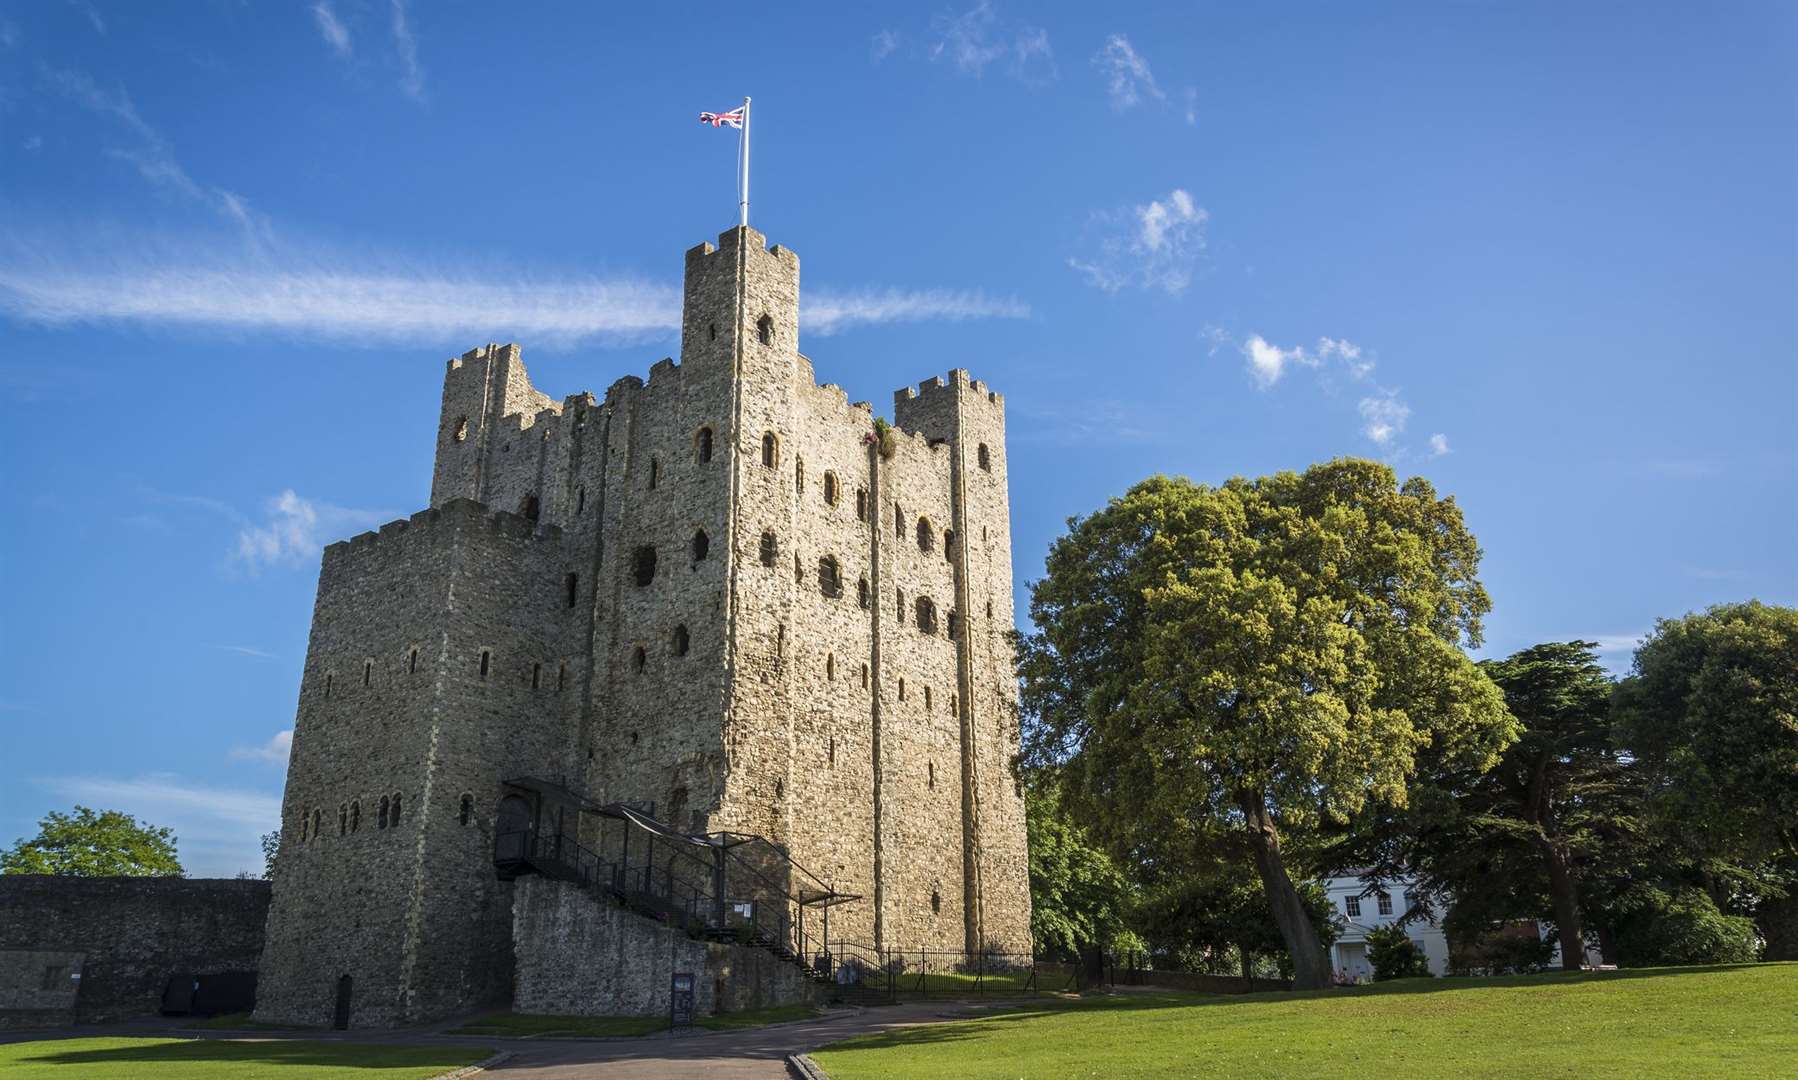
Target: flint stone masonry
(520, 628)
(124, 936)
(581, 958)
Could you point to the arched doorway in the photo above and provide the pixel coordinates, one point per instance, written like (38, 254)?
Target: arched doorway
(511, 840)
(344, 991)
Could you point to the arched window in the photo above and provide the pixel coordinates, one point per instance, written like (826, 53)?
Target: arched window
(926, 616)
(412, 663)
(702, 445)
(701, 544)
(764, 330)
(486, 662)
(355, 815)
(830, 489)
(317, 821)
(381, 821)
(770, 548)
(986, 458)
(949, 544)
(393, 818)
(530, 508)
(770, 449)
(830, 577)
(926, 536)
(861, 593)
(655, 472)
(466, 813)
(799, 476)
(645, 561)
(679, 640)
(936, 902)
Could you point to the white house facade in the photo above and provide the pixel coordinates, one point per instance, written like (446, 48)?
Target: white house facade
(1359, 907)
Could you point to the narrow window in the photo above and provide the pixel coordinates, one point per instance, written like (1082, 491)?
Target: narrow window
(989, 609)
(830, 489)
(394, 818)
(645, 565)
(770, 450)
(461, 431)
(899, 605)
(467, 810)
(561, 677)
(926, 539)
(936, 902)
(1385, 900)
(1352, 905)
(680, 640)
(764, 330)
(930, 775)
(954, 705)
(861, 593)
(368, 671)
(830, 666)
(986, 458)
(580, 499)
(655, 470)
(703, 445)
(640, 660)
(412, 663)
(830, 577)
(343, 819)
(381, 819)
(711, 332)
(952, 620)
(949, 544)
(861, 504)
(305, 827)
(864, 676)
(799, 476)
(898, 521)
(572, 585)
(832, 752)
(701, 544)
(798, 569)
(536, 676)
(927, 697)
(530, 508)
(901, 689)
(780, 788)
(926, 616)
(317, 818)
(356, 815)
(327, 687)
(770, 548)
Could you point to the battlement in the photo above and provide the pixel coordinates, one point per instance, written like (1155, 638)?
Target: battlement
(957, 384)
(454, 514)
(731, 241)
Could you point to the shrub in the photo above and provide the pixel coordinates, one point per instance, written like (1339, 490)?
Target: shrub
(1685, 927)
(1394, 955)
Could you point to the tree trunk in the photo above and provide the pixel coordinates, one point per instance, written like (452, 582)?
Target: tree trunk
(1248, 967)
(1310, 967)
(1566, 902)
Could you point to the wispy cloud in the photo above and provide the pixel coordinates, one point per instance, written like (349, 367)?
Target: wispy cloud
(882, 45)
(1128, 79)
(412, 77)
(294, 530)
(1617, 652)
(1439, 445)
(276, 749)
(92, 13)
(1191, 97)
(152, 155)
(1383, 410)
(1153, 246)
(246, 650)
(335, 33)
(217, 828)
(1383, 417)
(376, 300)
(976, 39)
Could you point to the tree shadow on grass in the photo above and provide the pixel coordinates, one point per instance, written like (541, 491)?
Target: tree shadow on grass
(296, 1053)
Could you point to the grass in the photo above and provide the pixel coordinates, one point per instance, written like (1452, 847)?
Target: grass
(204, 1059)
(240, 1022)
(963, 984)
(1668, 1022)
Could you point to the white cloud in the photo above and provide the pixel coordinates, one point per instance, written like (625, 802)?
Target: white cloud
(1192, 107)
(153, 157)
(1267, 362)
(412, 78)
(1439, 445)
(1383, 418)
(246, 650)
(217, 829)
(92, 13)
(976, 39)
(295, 530)
(883, 45)
(1152, 246)
(335, 33)
(1127, 76)
(276, 749)
(374, 300)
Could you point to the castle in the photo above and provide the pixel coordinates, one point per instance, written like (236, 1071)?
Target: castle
(726, 597)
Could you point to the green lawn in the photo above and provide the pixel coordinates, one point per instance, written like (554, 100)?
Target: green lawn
(1739, 1021)
(203, 1059)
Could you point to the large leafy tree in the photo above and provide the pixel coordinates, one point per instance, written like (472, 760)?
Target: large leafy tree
(1210, 916)
(1248, 662)
(1077, 894)
(89, 844)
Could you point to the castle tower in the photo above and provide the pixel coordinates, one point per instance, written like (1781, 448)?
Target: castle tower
(714, 591)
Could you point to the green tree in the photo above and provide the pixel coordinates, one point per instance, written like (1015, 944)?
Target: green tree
(1203, 918)
(1256, 660)
(271, 846)
(89, 844)
(1393, 955)
(1077, 895)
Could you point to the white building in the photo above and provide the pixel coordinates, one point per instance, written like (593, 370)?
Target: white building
(1359, 907)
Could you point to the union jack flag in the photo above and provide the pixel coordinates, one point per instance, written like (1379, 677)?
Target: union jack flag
(733, 118)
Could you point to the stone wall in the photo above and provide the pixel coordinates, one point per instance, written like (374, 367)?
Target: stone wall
(99, 949)
(580, 956)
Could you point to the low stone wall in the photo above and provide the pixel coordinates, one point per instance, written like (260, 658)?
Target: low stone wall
(86, 950)
(578, 956)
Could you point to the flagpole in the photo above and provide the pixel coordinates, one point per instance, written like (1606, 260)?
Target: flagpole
(744, 204)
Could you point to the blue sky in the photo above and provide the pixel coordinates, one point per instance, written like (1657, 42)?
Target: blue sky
(1545, 255)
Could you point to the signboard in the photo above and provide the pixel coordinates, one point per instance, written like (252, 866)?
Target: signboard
(680, 1000)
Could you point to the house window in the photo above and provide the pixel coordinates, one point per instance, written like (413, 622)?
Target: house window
(986, 458)
(770, 450)
(645, 565)
(926, 539)
(680, 641)
(770, 548)
(764, 330)
(830, 578)
(930, 775)
(1385, 900)
(949, 544)
(702, 445)
(1352, 906)
(927, 697)
(701, 544)
(830, 489)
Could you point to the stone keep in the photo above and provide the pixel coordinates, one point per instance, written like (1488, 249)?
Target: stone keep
(717, 591)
